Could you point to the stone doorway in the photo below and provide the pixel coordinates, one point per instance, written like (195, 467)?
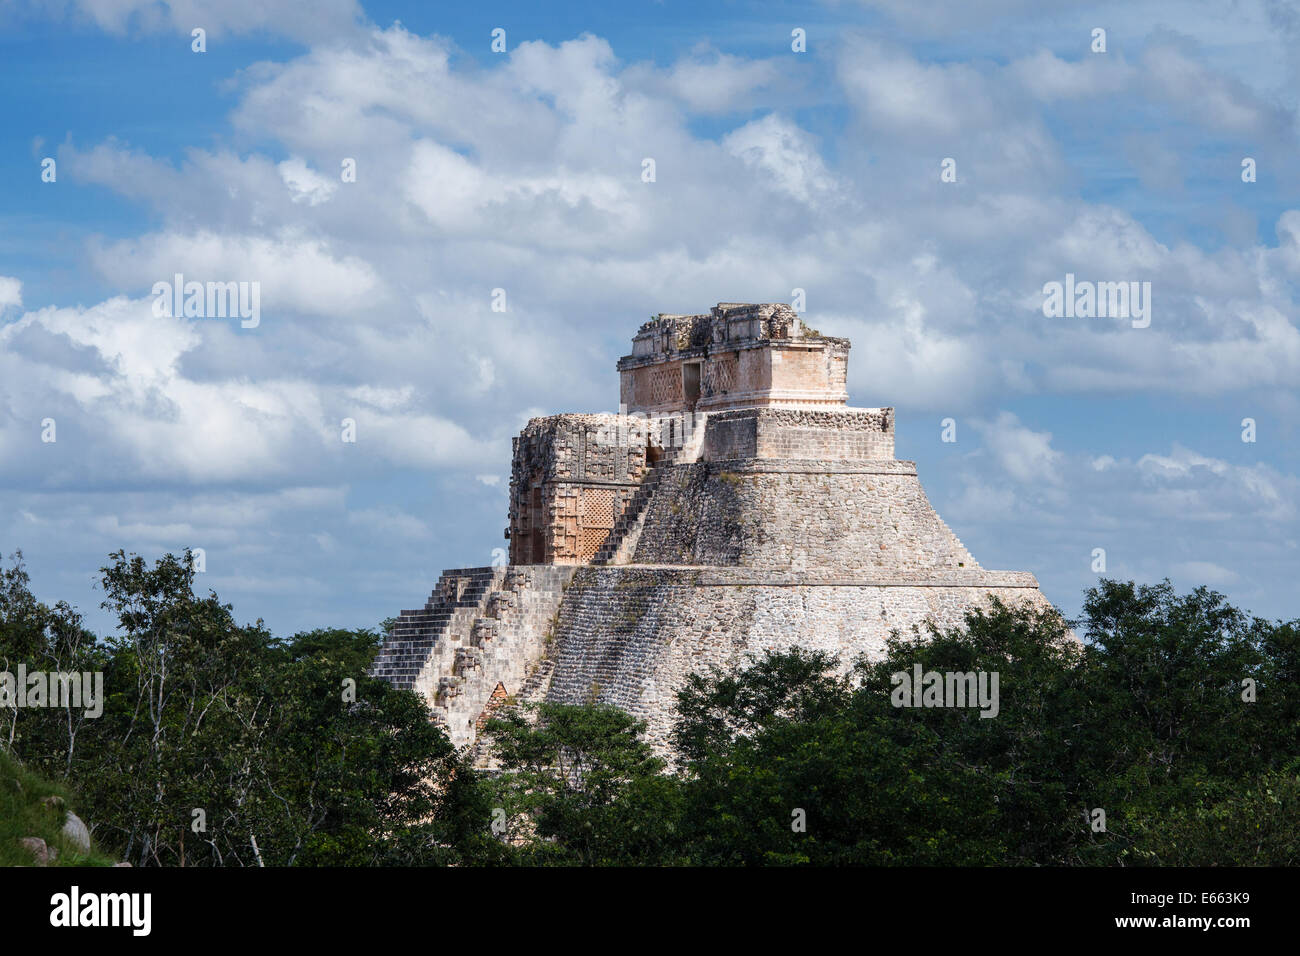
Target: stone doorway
(691, 383)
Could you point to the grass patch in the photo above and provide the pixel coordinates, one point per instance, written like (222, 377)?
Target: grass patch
(23, 814)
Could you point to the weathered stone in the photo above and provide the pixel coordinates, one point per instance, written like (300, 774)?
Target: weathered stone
(572, 478)
(77, 833)
(42, 853)
(740, 507)
(737, 355)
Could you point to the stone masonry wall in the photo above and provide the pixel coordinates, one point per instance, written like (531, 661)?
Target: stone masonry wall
(780, 519)
(571, 478)
(501, 641)
(858, 434)
(796, 515)
(629, 636)
(736, 355)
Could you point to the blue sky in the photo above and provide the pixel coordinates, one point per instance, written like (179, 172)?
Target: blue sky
(775, 170)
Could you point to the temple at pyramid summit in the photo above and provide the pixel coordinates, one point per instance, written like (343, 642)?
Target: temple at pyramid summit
(736, 503)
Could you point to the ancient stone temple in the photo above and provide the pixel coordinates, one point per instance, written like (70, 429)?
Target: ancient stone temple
(734, 504)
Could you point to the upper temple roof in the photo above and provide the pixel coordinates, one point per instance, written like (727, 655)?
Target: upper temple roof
(729, 325)
(736, 355)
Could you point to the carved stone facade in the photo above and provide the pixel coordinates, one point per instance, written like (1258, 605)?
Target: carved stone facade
(571, 480)
(737, 506)
(734, 356)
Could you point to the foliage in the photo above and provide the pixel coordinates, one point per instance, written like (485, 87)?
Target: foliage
(786, 761)
(580, 786)
(295, 756)
(220, 745)
(31, 806)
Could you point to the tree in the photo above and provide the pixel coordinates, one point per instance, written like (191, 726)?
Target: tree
(221, 745)
(788, 764)
(581, 786)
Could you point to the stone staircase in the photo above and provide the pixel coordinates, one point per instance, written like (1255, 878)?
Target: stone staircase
(621, 543)
(455, 601)
(482, 628)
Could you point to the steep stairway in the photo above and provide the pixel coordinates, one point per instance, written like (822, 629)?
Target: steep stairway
(621, 543)
(456, 600)
(484, 632)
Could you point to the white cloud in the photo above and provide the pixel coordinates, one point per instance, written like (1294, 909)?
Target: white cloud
(1210, 98)
(382, 398)
(1046, 76)
(783, 151)
(897, 93)
(136, 413)
(296, 272)
(1216, 488)
(11, 293)
(304, 183)
(708, 81)
(1025, 455)
(524, 172)
(1195, 573)
(327, 18)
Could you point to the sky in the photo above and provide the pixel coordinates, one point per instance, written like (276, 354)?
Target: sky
(921, 171)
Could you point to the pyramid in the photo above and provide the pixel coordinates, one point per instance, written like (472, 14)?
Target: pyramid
(735, 504)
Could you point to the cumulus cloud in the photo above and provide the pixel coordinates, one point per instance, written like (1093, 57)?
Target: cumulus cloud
(708, 81)
(328, 18)
(1223, 103)
(133, 409)
(523, 175)
(784, 152)
(896, 92)
(295, 272)
(528, 179)
(305, 185)
(1025, 455)
(1046, 76)
(11, 292)
(1215, 488)
(1192, 574)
